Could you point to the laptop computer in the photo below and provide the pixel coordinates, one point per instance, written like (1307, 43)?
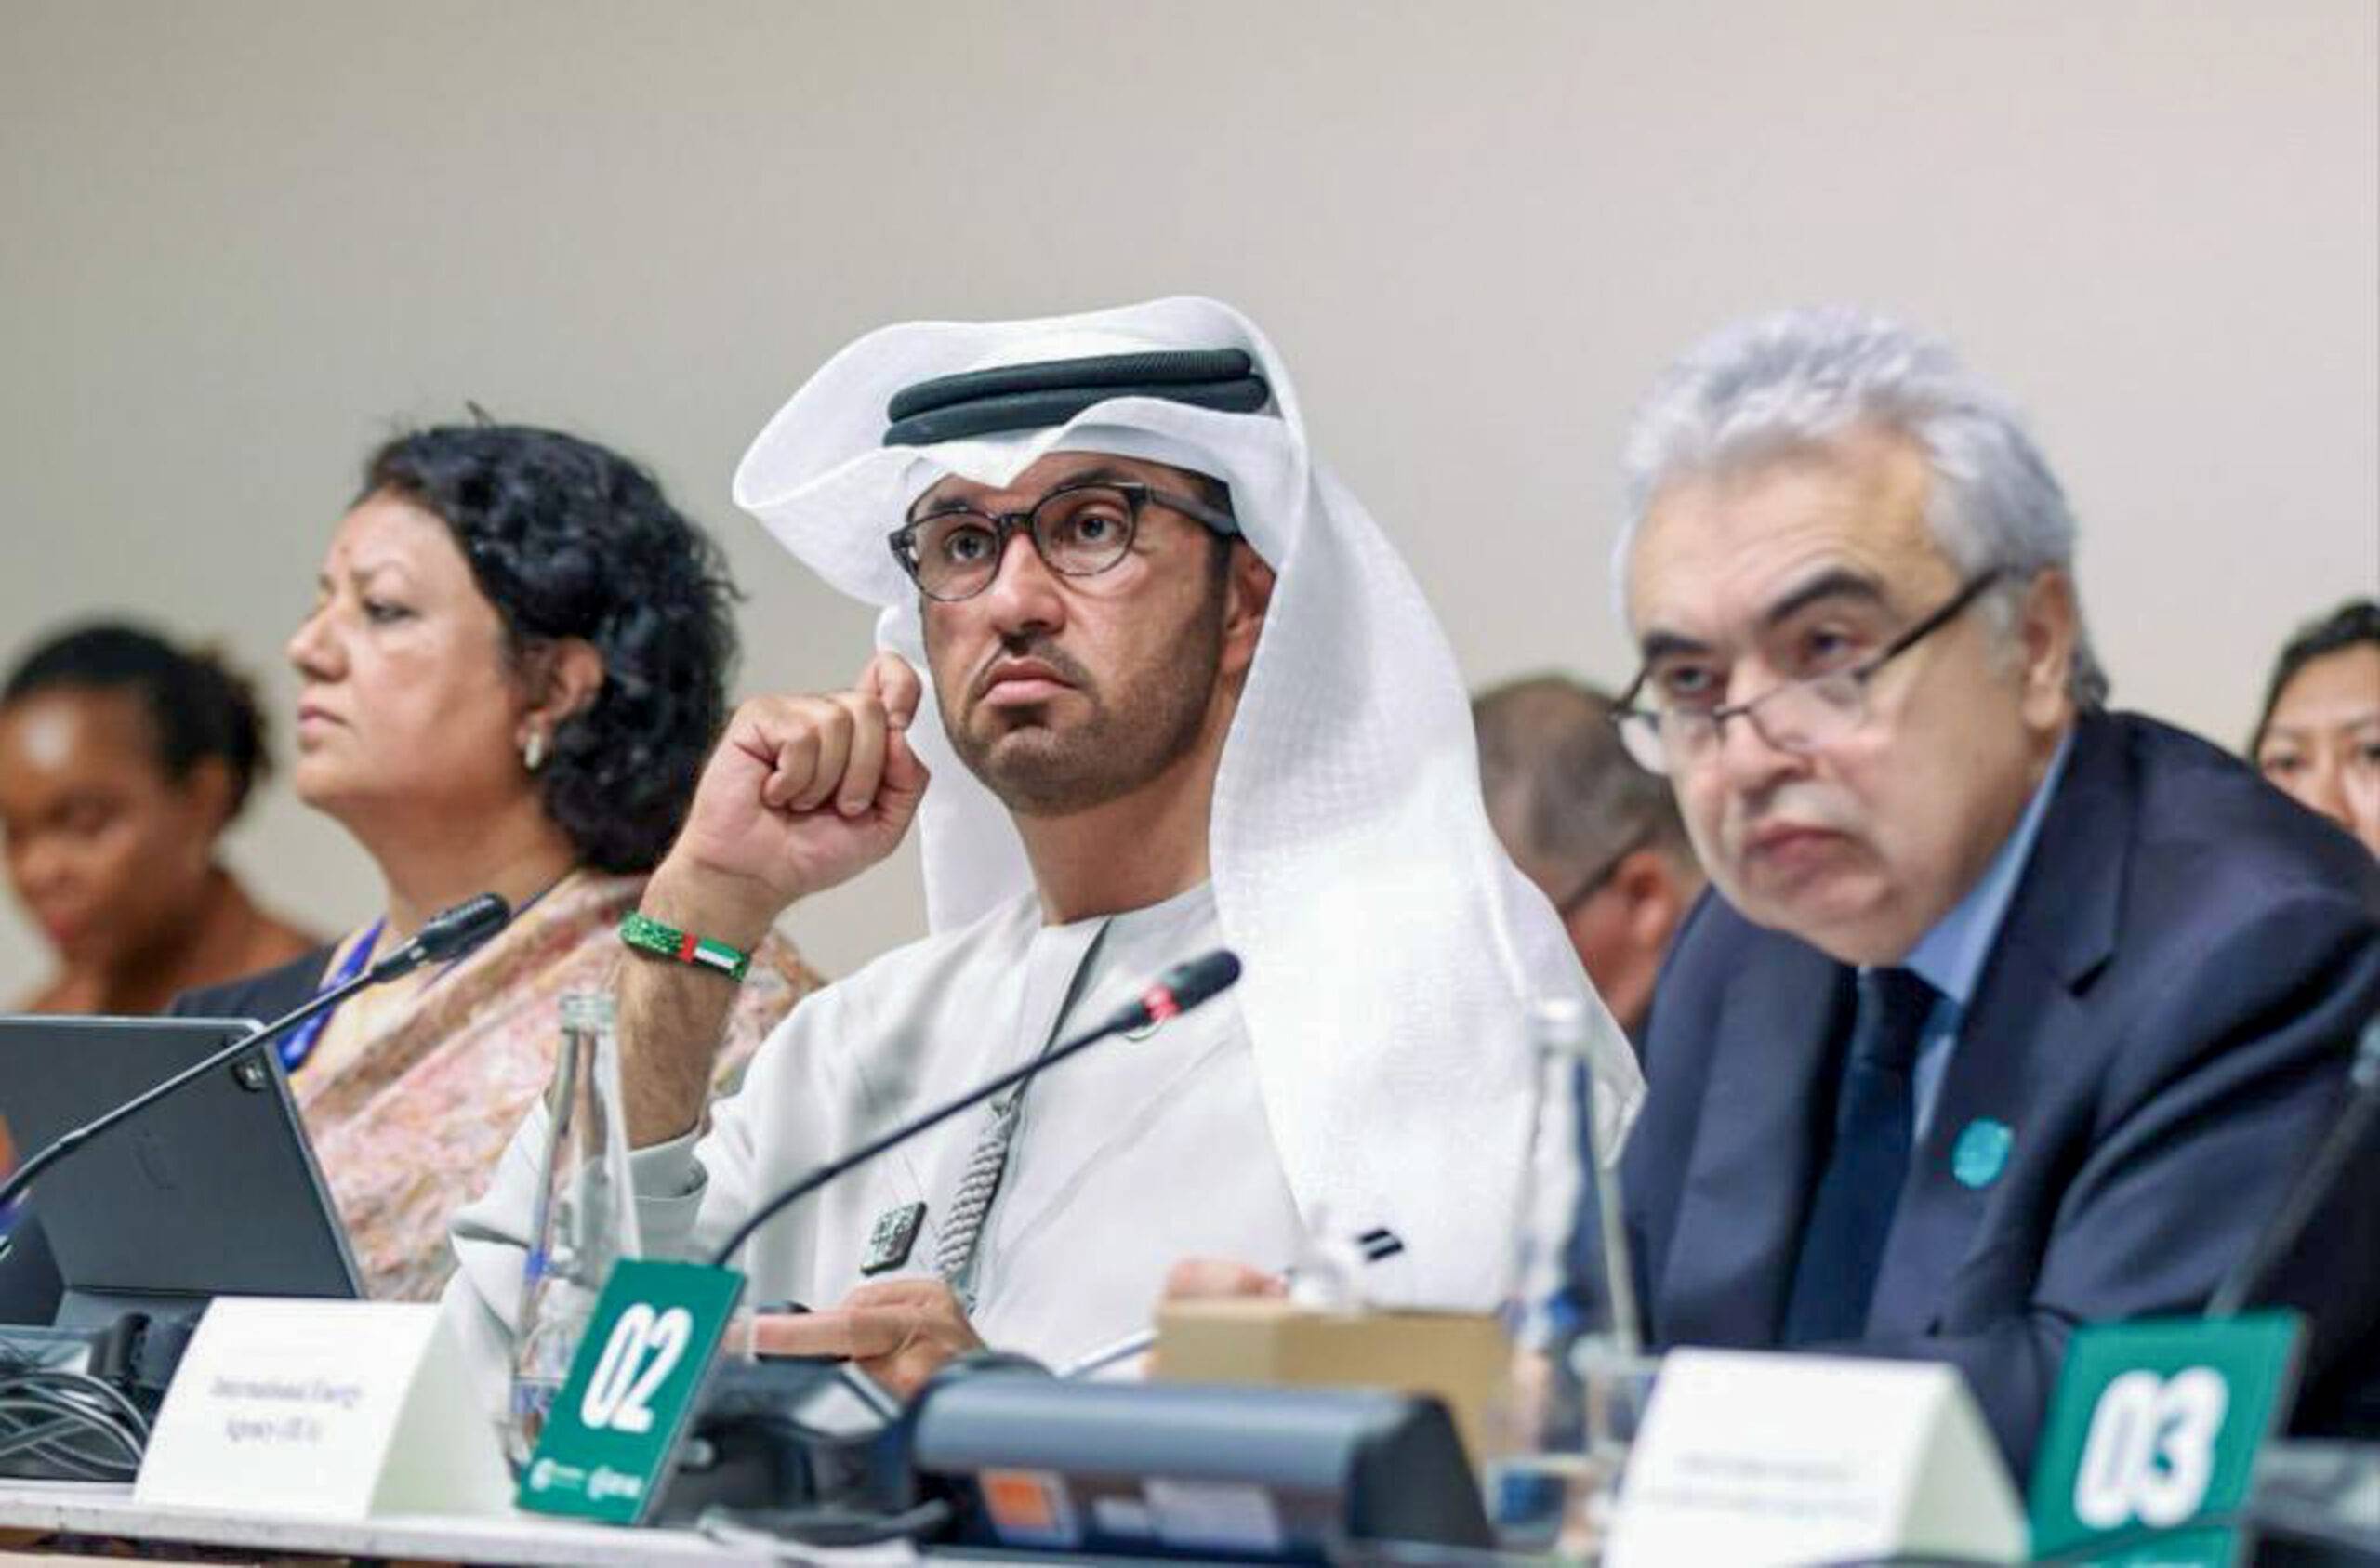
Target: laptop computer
(213, 1191)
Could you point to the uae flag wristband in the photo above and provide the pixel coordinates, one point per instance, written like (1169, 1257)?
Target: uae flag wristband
(648, 935)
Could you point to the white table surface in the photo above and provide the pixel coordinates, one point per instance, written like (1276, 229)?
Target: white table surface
(96, 1509)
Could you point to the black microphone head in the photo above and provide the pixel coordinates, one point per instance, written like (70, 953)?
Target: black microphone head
(1193, 979)
(1177, 991)
(450, 934)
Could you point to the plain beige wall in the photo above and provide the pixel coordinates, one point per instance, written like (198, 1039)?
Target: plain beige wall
(241, 241)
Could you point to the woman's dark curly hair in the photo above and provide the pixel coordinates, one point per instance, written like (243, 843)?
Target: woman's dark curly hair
(567, 539)
(197, 704)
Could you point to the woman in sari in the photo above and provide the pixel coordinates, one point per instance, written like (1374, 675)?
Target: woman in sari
(515, 665)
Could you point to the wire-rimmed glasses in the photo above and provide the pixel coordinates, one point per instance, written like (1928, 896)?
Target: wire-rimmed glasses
(1793, 716)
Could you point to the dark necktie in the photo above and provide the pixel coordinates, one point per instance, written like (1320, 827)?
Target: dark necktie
(1844, 1238)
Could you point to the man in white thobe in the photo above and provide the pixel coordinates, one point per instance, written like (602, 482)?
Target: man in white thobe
(1183, 696)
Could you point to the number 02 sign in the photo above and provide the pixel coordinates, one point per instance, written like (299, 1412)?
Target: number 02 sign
(2155, 1428)
(643, 1348)
(605, 1450)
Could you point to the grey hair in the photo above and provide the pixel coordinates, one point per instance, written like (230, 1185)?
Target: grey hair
(1561, 789)
(1800, 379)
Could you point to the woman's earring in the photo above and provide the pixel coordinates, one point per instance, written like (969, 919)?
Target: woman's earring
(533, 754)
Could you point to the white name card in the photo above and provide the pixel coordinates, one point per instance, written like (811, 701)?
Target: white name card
(1759, 1460)
(326, 1409)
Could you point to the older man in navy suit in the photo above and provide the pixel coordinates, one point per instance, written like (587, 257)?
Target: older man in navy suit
(2007, 1013)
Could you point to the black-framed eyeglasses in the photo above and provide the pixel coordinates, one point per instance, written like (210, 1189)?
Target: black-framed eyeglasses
(1794, 716)
(1594, 882)
(1078, 530)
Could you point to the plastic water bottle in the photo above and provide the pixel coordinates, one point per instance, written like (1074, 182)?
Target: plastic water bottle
(585, 1220)
(1577, 1374)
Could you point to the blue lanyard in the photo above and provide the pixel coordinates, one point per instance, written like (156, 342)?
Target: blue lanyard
(298, 1044)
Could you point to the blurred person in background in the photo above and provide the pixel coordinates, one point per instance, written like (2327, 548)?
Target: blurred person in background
(123, 759)
(2319, 737)
(517, 660)
(1598, 835)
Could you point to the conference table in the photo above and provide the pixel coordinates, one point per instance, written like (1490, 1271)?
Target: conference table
(32, 1512)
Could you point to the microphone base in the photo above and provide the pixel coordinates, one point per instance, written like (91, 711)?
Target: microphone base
(789, 1438)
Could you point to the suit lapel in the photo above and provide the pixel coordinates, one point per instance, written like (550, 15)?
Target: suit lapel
(1756, 1148)
(2022, 1024)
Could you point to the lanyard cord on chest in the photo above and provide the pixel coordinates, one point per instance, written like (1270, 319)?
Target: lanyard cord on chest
(961, 1232)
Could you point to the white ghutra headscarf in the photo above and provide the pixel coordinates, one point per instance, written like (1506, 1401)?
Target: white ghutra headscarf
(1391, 948)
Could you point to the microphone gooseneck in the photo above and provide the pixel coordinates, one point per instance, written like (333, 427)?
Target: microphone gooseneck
(1177, 991)
(448, 934)
(2313, 1185)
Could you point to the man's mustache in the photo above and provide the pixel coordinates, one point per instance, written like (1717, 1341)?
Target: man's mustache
(1800, 805)
(1039, 648)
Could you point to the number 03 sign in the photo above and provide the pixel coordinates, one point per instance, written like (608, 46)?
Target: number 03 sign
(2155, 1428)
(607, 1443)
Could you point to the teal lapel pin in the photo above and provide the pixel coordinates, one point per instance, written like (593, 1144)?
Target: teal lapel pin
(1981, 1153)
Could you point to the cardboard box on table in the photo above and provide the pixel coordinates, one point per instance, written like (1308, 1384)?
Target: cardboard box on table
(1462, 1358)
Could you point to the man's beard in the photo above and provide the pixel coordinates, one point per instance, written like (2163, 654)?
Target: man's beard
(1132, 736)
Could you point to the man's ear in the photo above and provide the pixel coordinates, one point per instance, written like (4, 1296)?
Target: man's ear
(564, 677)
(2047, 625)
(1655, 894)
(1248, 594)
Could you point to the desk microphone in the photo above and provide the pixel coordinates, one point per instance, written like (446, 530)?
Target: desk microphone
(448, 934)
(444, 936)
(2313, 1185)
(1176, 992)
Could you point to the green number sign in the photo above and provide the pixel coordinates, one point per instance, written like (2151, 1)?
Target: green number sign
(2153, 1431)
(606, 1447)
